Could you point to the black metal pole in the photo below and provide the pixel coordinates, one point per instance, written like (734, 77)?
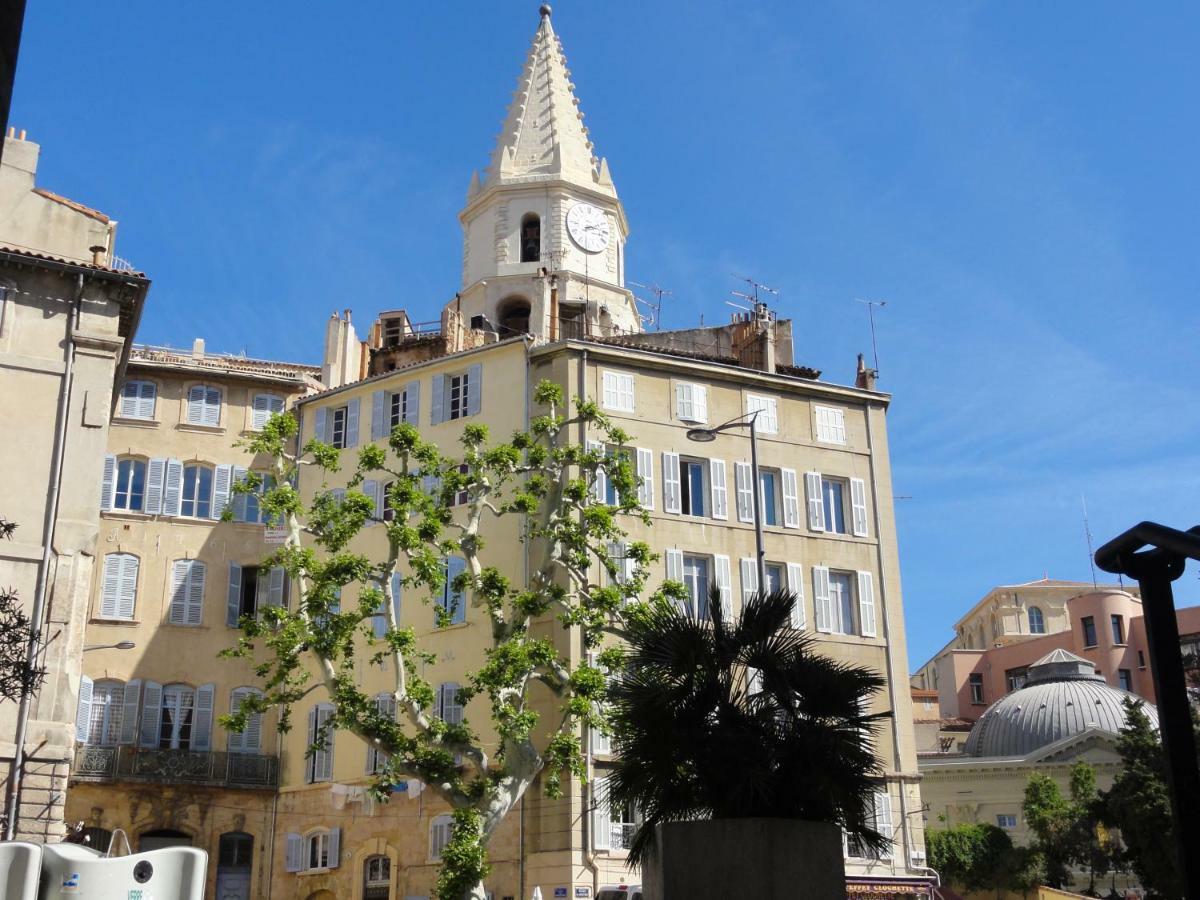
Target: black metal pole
(1154, 570)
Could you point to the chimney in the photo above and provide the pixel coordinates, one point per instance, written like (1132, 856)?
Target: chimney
(198, 348)
(98, 254)
(865, 378)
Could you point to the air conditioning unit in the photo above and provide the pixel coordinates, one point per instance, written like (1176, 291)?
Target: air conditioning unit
(916, 859)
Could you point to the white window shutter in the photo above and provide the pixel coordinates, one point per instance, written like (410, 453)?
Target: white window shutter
(276, 585)
(110, 592)
(671, 490)
(236, 740)
(816, 502)
(195, 405)
(295, 852)
(146, 394)
(397, 594)
(745, 493)
(474, 389)
(129, 711)
(858, 502)
(412, 400)
(601, 815)
(151, 713)
(724, 581)
(791, 498)
(645, 470)
(379, 415)
(748, 568)
(83, 710)
(238, 499)
(335, 847)
(202, 718)
(451, 710)
(352, 410)
(127, 593)
(821, 599)
(601, 743)
(609, 394)
(684, 406)
(370, 489)
(600, 488)
(233, 597)
(796, 585)
(324, 766)
(437, 407)
(172, 488)
(320, 425)
(866, 603)
(720, 493)
(674, 565)
(108, 482)
(179, 592)
(212, 406)
(260, 411)
(222, 479)
(883, 821)
(700, 402)
(155, 476)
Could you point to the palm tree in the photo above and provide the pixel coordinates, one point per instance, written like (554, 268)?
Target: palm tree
(721, 719)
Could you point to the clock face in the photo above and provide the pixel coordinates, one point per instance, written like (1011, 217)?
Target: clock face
(588, 227)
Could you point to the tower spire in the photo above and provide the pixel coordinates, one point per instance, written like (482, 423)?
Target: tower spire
(543, 134)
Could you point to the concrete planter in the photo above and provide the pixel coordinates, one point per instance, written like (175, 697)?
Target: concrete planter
(763, 859)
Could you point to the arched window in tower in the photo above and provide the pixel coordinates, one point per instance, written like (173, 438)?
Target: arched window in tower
(1037, 622)
(531, 238)
(513, 313)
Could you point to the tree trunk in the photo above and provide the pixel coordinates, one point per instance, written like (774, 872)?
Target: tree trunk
(475, 893)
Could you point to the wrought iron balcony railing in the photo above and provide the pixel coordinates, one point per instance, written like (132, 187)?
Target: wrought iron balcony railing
(234, 770)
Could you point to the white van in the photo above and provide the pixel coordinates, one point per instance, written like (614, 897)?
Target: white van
(620, 892)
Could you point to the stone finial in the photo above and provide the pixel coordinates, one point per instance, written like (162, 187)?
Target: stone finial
(545, 10)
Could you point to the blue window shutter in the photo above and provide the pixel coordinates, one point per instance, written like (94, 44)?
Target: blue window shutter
(352, 423)
(436, 410)
(156, 474)
(222, 480)
(474, 389)
(151, 713)
(412, 399)
(335, 847)
(233, 602)
(379, 425)
(129, 713)
(202, 717)
(295, 853)
(239, 499)
(321, 415)
(397, 593)
(106, 485)
(172, 488)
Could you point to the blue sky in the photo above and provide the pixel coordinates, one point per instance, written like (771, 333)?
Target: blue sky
(1017, 180)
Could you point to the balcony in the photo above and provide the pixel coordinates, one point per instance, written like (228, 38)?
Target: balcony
(216, 768)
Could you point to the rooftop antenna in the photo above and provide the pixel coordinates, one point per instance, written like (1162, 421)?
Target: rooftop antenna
(755, 286)
(658, 293)
(871, 304)
(1087, 531)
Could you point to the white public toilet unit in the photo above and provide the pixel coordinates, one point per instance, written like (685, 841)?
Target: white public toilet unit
(76, 872)
(20, 869)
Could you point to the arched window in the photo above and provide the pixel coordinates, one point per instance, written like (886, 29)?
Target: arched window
(97, 838)
(1037, 622)
(204, 405)
(119, 588)
(104, 721)
(236, 852)
(137, 399)
(377, 878)
(196, 502)
(129, 486)
(531, 238)
(513, 314)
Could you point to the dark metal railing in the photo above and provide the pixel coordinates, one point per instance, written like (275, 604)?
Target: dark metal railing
(238, 770)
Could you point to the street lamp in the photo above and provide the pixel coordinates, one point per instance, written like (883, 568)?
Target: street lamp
(704, 436)
(123, 645)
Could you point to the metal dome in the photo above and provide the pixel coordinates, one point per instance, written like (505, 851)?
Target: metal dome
(1062, 696)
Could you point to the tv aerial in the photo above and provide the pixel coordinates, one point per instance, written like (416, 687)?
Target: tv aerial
(655, 304)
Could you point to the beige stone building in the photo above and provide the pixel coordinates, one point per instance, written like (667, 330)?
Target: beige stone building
(66, 318)
(173, 579)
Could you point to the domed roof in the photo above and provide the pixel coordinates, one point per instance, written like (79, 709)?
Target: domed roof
(1062, 696)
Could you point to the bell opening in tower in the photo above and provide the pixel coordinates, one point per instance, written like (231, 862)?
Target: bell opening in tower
(531, 238)
(513, 314)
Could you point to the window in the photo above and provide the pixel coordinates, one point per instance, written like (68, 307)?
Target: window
(1141, 659)
(1016, 678)
(318, 850)
(196, 501)
(696, 580)
(1118, 629)
(248, 740)
(459, 390)
(775, 577)
(402, 407)
(175, 723)
(248, 506)
(187, 592)
(439, 836)
(531, 238)
(976, 681)
(841, 595)
(119, 588)
(452, 603)
(456, 396)
(319, 766)
(264, 406)
(137, 399)
(879, 813)
(449, 706)
(618, 391)
(768, 486)
(1089, 631)
(1006, 820)
(513, 316)
(251, 588)
(1125, 680)
(377, 878)
(831, 425)
(691, 402)
(337, 426)
(691, 487)
(1037, 622)
(385, 705)
(844, 601)
(129, 490)
(833, 495)
(767, 421)
(203, 405)
(104, 723)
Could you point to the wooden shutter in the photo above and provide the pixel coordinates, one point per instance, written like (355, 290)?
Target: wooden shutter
(449, 709)
(129, 399)
(816, 502)
(294, 861)
(700, 402)
(437, 405)
(866, 603)
(222, 479)
(111, 588)
(821, 600)
(321, 424)
(455, 566)
(129, 711)
(145, 404)
(724, 580)
(310, 762)
(675, 565)
(202, 717)
(748, 568)
(233, 597)
(212, 407)
(796, 585)
(195, 592)
(397, 586)
(412, 400)
(671, 490)
(601, 815)
(380, 415)
(127, 590)
(83, 709)
(108, 482)
(791, 498)
(237, 498)
(276, 586)
(235, 741)
(600, 488)
(684, 404)
(151, 713)
(172, 488)
(335, 847)
(601, 742)
(179, 592)
(745, 493)
(155, 477)
(195, 404)
(474, 389)
(645, 471)
(858, 502)
(260, 411)
(610, 394)
(883, 822)
(352, 410)
(720, 493)
(323, 759)
(370, 488)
